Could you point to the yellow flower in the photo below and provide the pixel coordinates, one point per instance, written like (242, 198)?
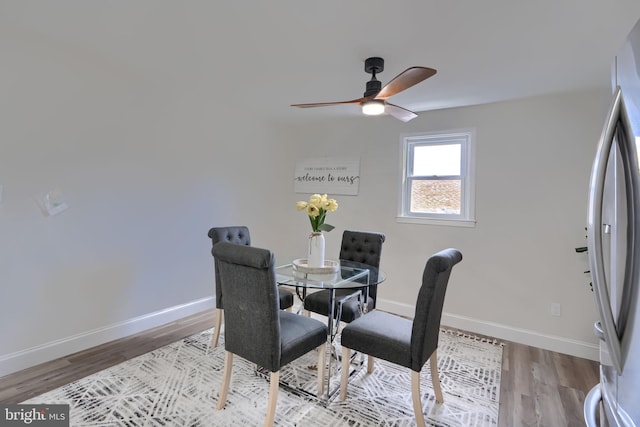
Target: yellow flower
(316, 208)
(312, 210)
(316, 200)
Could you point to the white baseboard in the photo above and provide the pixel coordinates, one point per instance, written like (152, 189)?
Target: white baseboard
(46, 352)
(555, 343)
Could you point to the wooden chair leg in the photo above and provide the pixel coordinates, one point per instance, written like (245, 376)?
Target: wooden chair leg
(344, 377)
(307, 313)
(433, 364)
(322, 351)
(217, 326)
(289, 309)
(226, 377)
(274, 383)
(370, 362)
(415, 396)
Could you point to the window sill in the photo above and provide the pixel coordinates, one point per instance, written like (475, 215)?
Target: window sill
(433, 221)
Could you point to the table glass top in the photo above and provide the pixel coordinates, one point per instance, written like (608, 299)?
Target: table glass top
(351, 275)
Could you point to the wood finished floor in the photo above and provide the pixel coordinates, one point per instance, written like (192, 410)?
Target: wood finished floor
(537, 388)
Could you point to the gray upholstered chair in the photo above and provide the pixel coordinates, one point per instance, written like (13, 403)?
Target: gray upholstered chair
(364, 247)
(256, 329)
(402, 341)
(239, 235)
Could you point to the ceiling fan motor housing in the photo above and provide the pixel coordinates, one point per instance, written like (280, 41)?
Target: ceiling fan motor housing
(373, 66)
(373, 87)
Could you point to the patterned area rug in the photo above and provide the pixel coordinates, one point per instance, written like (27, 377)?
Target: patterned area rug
(178, 385)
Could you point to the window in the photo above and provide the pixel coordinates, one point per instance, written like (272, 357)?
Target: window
(437, 178)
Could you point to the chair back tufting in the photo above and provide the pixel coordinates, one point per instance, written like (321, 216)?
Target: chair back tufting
(364, 247)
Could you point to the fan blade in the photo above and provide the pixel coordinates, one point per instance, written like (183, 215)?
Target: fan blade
(324, 104)
(399, 112)
(409, 77)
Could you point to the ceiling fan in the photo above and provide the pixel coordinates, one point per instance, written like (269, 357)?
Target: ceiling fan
(374, 100)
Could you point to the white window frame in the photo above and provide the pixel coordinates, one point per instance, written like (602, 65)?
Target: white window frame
(466, 138)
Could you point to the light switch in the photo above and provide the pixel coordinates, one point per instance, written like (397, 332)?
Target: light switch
(52, 202)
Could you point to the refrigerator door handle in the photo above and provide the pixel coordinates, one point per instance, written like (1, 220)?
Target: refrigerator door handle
(597, 330)
(616, 121)
(591, 403)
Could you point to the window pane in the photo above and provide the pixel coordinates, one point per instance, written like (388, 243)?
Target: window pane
(440, 160)
(436, 196)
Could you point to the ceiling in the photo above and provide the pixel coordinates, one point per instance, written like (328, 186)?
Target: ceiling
(263, 56)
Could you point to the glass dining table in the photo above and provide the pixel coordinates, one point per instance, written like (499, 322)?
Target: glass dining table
(349, 275)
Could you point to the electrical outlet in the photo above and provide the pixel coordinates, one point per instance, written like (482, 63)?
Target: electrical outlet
(556, 309)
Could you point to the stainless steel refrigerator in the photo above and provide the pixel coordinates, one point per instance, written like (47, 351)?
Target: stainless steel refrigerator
(613, 236)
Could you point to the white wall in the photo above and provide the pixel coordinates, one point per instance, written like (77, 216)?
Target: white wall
(148, 168)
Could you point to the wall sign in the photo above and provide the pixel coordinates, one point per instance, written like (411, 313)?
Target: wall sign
(327, 175)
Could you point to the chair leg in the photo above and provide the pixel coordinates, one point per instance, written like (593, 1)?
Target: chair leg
(289, 309)
(370, 362)
(344, 377)
(322, 350)
(226, 377)
(415, 396)
(274, 383)
(433, 364)
(217, 326)
(307, 313)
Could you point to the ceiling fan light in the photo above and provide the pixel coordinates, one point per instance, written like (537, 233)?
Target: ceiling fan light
(373, 107)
